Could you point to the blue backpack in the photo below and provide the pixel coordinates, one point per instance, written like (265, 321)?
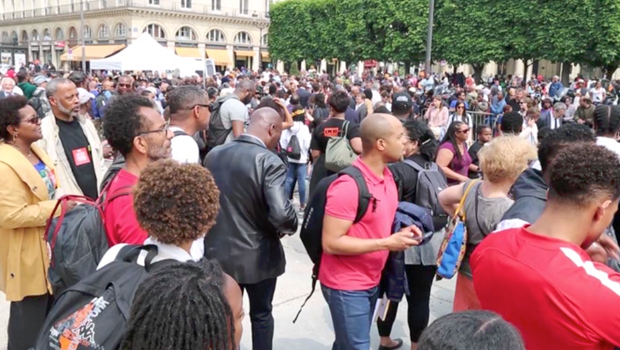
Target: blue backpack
(454, 243)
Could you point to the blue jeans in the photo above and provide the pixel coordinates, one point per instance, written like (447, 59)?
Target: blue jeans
(296, 173)
(352, 316)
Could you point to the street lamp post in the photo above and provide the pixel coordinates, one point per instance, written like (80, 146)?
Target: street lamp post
(429, 38)
(260, 25)
(83, 44)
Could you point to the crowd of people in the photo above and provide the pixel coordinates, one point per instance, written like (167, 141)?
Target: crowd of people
(207, 171)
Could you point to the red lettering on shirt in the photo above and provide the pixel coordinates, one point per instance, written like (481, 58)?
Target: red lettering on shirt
(331, 132)
(81, 156)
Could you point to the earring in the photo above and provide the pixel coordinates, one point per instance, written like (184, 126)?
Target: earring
(15, 136)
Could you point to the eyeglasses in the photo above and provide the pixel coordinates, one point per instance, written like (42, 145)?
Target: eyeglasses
(209, 106)
(464, 131)
(164, 130)
(460, 107)
(33, 120)
(124, 85)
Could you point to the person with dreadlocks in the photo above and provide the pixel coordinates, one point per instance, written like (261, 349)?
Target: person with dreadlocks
(186, 307)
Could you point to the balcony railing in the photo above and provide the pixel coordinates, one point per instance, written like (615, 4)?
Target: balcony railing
(165, 5)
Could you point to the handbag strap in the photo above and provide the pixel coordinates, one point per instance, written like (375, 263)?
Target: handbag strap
(478, 192)
(345, 127)
(459, 209)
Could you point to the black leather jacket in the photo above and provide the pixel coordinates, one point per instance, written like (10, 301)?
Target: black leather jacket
(254, 210)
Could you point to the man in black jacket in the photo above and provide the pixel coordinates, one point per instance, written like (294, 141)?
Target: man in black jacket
(254, 214)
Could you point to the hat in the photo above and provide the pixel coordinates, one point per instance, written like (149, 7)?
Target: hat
(84, 96)
(152, 90)
(40, 79)
(580, 81)
(10, 74)
(401, 103)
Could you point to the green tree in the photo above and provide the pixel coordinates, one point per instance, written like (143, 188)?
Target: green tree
(471, 32)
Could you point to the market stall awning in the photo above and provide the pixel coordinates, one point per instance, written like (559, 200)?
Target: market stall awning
(192, 52)
(265, 56)
(220, 57)
(244, 53)
(91, 52)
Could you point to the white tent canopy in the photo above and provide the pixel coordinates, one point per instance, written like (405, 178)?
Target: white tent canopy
(143, 54)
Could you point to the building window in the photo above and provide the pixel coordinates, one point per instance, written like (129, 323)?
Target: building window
(72, 33)
(24, 36)
(243, 38)
(88, 32)
(156, 31)
(35, 35)
(243, 7)
(121, 30)
(186, 4)
(60, 35)
(215, 36)
(154, 2)
(216, 5)
(186, 34)
(264, 40)
(47, 36)
(103, 32)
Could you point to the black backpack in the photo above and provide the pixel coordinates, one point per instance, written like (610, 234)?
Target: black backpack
(311, 233)
(293, 150)
(430, 182)
(217, 133)
(77, 238)
(94, 313)
(37, 104)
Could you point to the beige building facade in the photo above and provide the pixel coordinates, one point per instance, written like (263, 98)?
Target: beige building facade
(232, 32)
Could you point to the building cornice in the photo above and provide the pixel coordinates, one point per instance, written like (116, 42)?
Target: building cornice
(153, 12)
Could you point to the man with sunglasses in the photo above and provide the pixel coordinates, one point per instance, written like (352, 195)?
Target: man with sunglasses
(190, 113)
(136, 129)
(124, 85)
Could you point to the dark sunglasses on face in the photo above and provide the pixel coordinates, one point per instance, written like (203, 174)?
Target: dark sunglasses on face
(33, 120)
(124, 85)
(209, 106)
(464, 131)
(460, 107)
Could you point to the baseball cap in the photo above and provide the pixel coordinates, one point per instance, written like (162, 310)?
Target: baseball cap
(401, 103)
(40, 79)
(84, 96)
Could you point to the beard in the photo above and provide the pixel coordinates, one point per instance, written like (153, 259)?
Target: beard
(67, 111)
(158, 152)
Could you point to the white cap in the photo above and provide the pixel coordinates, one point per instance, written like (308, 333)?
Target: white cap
(152, 90)
(84, 96)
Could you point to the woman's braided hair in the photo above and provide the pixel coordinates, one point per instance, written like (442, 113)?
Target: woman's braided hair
(181, 307)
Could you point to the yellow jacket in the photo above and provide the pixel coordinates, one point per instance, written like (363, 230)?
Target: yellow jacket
(24, 210)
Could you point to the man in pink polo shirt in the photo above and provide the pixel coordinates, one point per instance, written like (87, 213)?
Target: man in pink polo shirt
(355, 254)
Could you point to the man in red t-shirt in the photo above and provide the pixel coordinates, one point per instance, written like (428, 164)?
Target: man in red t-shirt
(540, 278)
(137, 130)
(355, 254)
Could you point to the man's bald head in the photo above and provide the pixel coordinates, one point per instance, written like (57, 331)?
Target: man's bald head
(266, 124)
(377, 127)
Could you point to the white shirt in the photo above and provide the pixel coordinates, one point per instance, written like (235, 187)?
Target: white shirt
(597, 94)
(303, 137)
(164, 252)
(609, 143)
(184, 148)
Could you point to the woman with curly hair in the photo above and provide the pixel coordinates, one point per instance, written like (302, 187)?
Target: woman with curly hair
(176, 204)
